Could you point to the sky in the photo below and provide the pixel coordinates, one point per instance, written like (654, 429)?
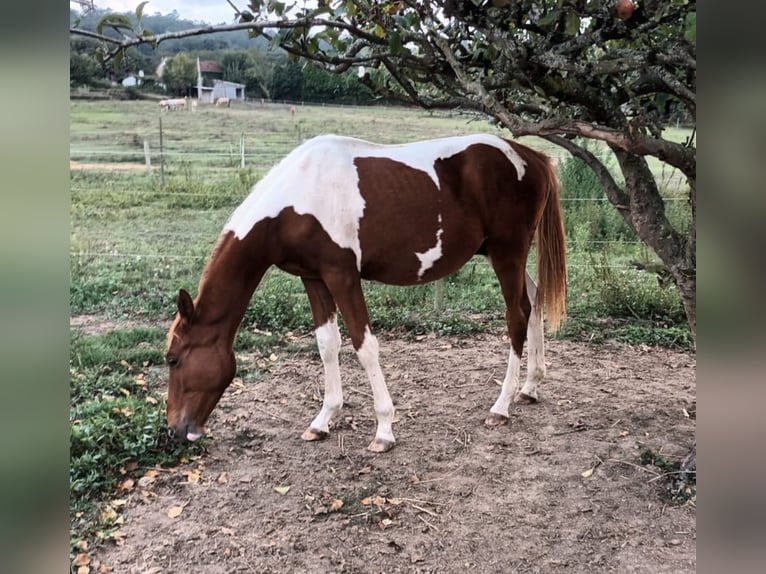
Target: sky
(210, 11)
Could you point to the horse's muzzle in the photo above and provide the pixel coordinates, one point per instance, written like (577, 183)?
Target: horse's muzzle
(188, 433)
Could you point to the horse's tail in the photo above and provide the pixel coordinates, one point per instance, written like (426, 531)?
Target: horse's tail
(551, 254)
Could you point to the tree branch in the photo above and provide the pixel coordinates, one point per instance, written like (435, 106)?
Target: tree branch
(617, 197)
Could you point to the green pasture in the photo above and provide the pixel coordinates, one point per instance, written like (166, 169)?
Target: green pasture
(137, 236)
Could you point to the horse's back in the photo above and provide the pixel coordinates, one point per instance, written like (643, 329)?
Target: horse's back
(410, 213)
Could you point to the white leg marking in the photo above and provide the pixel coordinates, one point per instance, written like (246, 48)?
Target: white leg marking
(368, 355)
(328, 341)
(536, 344)
(510, 385)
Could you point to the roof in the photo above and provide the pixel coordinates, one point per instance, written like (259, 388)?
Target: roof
(227, 83)
(210, 66)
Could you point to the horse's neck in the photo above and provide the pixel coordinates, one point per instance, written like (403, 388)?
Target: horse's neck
(229, 280)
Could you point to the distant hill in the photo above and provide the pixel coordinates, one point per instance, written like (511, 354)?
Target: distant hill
(161, 23)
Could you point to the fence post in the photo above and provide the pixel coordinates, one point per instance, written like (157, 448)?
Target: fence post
(162, 158)
(242, 151)
(147, 156)
(438, 295)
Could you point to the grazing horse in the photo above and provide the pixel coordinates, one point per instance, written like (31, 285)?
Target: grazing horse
(338, 210)
(223, 101)
(173, 104)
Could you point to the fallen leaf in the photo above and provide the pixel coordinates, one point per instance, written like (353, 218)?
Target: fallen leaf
(126, 485)
(151, 400)
(272, 357)
(385, 523)
(587, 473)
(145, 481)
(222, 478)
(175, 511)
(118, 536)
(117, 502)
(81, 560)
(108, 516)
(81, 544)
(282, 489)
(103, 569)
(83, 570)
(395, 501)
(192, 476)
(337, 504)
(151, 473)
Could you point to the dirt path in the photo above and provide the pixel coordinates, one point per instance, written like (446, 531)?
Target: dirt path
(453, 496)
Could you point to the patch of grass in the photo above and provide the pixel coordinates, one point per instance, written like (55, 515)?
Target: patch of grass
(117, 417)
(121, 350)
(677, 486)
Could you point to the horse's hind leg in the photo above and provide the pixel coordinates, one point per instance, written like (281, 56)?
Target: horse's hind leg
(535, 349)
(510, 273)
(328, 341)
(347, 291)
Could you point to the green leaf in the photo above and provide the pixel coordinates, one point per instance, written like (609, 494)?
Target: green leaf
(118, 60)
(690, 27)
(246, 16)
(548, 19)
(572, 24)
(140, 10)
(116, 21)
(277, 7)
(395, 43)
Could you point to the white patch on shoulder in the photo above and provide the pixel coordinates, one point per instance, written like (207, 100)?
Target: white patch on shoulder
(319, 178)
(428, 258)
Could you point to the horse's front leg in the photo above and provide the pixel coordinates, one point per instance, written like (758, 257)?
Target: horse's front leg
(347, 292)
(328, 341)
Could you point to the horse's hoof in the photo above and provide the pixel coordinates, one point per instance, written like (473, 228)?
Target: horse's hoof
(496, 420)
(312, 434)
(381, 445)
(524, 399)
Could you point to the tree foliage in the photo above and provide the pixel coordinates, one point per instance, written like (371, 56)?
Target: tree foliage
(180, 74)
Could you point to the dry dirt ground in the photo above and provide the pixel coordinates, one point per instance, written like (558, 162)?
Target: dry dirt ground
(559, 490)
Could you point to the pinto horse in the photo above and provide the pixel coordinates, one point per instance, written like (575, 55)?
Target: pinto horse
(338, 210)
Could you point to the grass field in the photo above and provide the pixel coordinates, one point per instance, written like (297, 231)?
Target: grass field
(138, 236)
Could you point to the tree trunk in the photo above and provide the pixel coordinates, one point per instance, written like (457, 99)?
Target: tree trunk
(646, 216)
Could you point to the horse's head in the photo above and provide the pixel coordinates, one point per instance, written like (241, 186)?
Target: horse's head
(201, 365)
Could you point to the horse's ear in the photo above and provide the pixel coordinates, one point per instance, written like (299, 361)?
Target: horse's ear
(185, 305)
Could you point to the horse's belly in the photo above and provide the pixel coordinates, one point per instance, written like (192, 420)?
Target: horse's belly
(396, 264)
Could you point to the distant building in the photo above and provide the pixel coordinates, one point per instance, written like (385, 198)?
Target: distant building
(211, 85)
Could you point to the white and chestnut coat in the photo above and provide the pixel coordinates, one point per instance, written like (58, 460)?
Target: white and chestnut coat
(338, 210)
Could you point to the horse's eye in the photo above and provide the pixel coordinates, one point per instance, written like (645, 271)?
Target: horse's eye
(171, 361)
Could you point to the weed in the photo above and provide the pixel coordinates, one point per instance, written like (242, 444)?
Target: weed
(677, 486)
